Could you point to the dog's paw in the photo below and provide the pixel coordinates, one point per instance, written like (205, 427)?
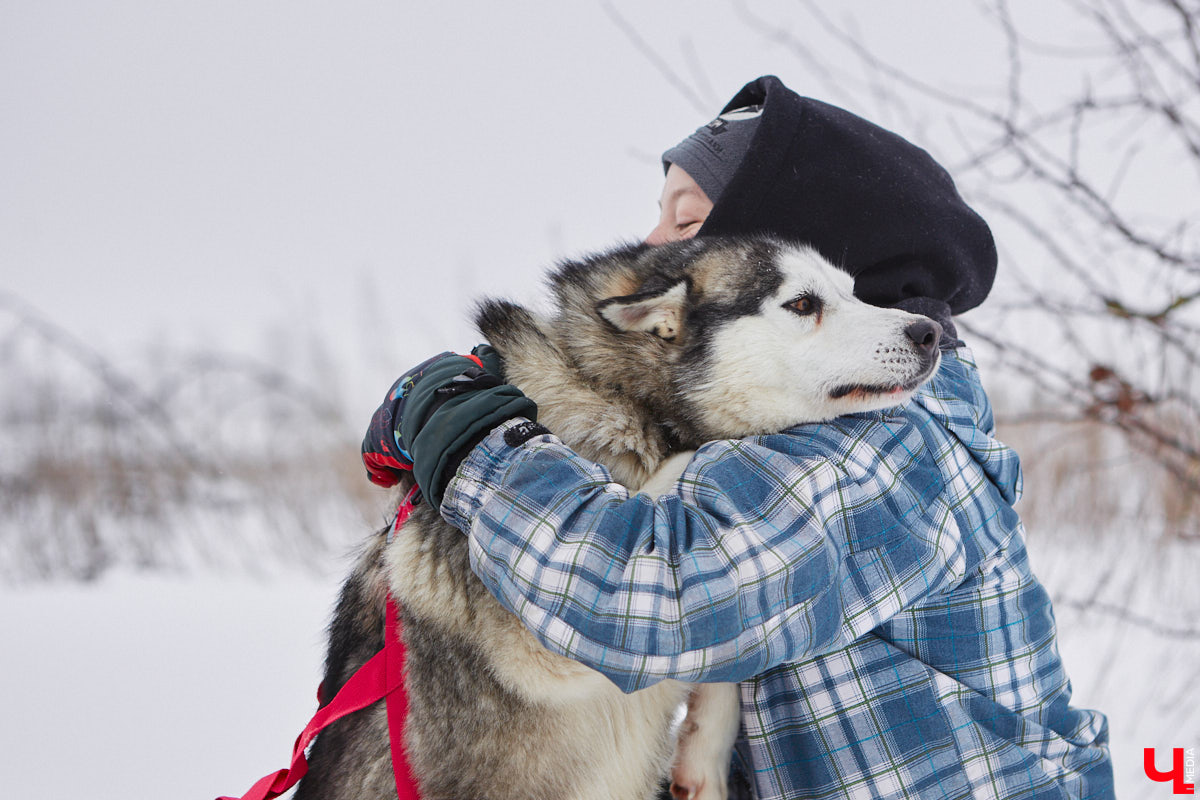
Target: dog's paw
(682, 791)
(689, 784)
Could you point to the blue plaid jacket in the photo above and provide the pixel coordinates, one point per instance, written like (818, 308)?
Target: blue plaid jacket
(865, 580)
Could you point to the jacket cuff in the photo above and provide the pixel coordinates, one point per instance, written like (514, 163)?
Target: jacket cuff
(478, 474)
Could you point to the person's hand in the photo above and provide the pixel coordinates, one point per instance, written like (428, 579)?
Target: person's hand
(435, 413)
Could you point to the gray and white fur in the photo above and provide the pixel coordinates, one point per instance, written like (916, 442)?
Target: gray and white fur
(647, 352)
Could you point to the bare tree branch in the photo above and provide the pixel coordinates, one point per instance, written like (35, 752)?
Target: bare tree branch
(1121, 612)
(145, 408)
(664, 69)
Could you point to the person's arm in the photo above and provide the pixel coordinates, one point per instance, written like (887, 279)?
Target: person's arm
(773, 549)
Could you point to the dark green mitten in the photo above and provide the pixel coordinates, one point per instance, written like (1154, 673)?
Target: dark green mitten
(451, 408)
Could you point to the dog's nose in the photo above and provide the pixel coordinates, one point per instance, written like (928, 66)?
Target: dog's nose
(925, 334)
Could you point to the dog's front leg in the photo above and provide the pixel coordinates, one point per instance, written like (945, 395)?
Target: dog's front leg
(700, 770)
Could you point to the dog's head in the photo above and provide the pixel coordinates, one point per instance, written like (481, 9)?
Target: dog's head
(732, 338)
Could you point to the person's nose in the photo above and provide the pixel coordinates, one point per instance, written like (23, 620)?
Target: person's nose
(657, 236)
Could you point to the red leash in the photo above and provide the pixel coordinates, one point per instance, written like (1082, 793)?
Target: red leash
(381, 677)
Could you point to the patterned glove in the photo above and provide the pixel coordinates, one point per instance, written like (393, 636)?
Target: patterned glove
(435, 413)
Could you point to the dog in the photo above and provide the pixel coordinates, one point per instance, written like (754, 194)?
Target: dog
(647, 353)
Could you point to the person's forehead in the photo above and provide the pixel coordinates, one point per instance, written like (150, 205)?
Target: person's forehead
(677, 185)
(672, 195)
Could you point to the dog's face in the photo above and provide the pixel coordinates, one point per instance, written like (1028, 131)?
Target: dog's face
(760, 336)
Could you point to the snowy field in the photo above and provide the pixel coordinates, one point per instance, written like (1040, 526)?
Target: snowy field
(1129, 630)
(154, 687)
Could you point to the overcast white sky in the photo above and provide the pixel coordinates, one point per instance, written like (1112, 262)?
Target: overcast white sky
(228, 172)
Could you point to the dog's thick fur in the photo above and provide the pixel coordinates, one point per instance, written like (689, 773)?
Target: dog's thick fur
(647, 352)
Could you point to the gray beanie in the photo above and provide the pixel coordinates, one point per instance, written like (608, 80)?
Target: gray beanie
(712, 154)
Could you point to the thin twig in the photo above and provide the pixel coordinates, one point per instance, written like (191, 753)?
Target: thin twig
(664, 69)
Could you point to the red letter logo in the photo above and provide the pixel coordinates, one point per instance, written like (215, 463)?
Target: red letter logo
(1175, 775)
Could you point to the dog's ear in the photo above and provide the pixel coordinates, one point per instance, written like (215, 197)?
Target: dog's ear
(658, 312)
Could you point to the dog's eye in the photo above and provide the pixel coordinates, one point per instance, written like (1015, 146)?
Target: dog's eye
(804, 305)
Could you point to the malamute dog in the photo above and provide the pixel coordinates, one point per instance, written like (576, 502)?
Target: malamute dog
(648, 352)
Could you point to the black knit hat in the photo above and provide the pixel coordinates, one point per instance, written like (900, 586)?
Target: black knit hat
(871, 202)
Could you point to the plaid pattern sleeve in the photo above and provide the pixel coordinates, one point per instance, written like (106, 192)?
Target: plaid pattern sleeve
(865, 579)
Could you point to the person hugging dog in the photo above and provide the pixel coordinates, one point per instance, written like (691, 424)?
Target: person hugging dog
(864, 580)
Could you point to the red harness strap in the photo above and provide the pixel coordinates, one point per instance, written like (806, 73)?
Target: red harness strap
(397, 704)
(381, 677)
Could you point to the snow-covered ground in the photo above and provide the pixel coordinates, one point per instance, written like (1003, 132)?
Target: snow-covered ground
(149, 687)
(1128, 616)
(154, 687)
